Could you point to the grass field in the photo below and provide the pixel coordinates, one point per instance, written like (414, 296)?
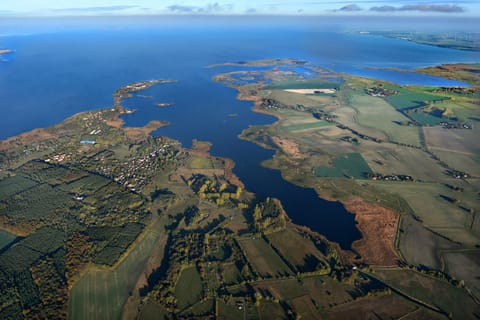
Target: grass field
(425, 118)
(464, 265)
(327, 292)
(431, 291)
(263, 259)
(230, 311)
(100, 294)
(200, 163)
(306, 126)
(202, 308)
(436, 213)
(272, 310)
(296, 249)
(188, 289)
(383, 307)
(350, 165)
(392, 159)
(410, 97)
(152, 311)
(375, 113)
(230, 273)
(287, 289)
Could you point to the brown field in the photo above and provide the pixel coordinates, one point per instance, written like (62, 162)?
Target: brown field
(288, 146)
(27, 138)
(378, 226)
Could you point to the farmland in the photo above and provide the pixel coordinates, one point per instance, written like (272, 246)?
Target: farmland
(138, 227)
(188, 289)
(432, 291)
(374, 112)
(263, 258)
(348, 165)
(102, 293)
(411, 149)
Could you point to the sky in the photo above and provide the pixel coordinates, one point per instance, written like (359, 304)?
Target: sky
(467, 8)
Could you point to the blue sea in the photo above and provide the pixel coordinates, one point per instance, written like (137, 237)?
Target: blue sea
(54, 74)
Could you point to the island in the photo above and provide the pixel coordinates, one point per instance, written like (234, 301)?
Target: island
(103, 221)
(468, 41)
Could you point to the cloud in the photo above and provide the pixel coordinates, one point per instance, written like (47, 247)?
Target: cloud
(444, 8)
(96, 9)
(209, 8)
(350, 8)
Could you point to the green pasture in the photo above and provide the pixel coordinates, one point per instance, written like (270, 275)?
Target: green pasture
(350, 165)
(306, 126)
(263, 259)
(188, 289)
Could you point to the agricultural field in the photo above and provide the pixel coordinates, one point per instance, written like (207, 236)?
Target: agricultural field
(188, 289)
(432, 291)
(392, 159)
(383, 306)
(376, 114)
(411, 97)
(101, 294)
(306, 126)
(463, 264)
(347, 165)
(449, 219)
(299, 251)
(263, 258)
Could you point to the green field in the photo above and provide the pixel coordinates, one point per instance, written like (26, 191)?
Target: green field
(299, 251)
(408, 98)
(305, 126)
(188, 289)
(200, 163)
(425, 118)
(12, 185)
(231, 274)
(375, 113)
(101, 294)
(6, 238)
(263, 259)
(350, 165)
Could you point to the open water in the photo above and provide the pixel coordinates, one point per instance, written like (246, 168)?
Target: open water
(54, 74)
